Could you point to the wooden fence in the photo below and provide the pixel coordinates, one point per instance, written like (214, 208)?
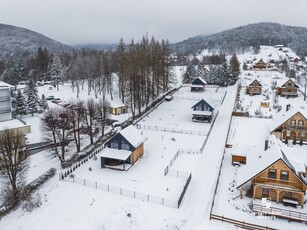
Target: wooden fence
(170, 130)
(279, 212)
(240, 224)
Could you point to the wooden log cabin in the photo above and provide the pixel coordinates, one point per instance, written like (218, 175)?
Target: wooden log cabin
(198, 85)
(277, 173)
(260, 65)
(287, 88)
(290, 125)
(123, 150)
(254, 88)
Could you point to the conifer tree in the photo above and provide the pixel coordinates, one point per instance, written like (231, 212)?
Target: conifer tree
(43, 104)
(20, 106)
(55, 71)
(31, 97)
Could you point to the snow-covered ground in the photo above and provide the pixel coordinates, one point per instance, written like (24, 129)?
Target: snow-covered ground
(80, 207)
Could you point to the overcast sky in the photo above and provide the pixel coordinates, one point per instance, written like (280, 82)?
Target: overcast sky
(106, 21)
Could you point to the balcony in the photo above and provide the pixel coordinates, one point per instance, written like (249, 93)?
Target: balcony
(294, 127)
(5, 98)
(279, 183)
(5, 110)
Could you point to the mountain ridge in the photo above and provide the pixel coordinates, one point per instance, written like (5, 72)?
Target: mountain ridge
(18, 40)
(240, 39)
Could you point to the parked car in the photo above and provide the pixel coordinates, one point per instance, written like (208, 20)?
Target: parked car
(49, 98)
(56, 100)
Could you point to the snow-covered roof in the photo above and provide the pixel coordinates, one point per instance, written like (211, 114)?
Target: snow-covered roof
(132, 135)
(206, 113)
(258, 160)
(208, 101)
(283, 116)
(117, 154)
(249, 82)
(11, 124)
(201, 79)
(5, 85)
(282, 82)
(116, 104)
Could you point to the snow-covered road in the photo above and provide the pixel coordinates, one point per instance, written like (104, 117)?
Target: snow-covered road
(198, 199)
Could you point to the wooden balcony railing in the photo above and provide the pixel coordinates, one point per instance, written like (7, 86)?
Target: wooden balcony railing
(278, 182)
(295, 127)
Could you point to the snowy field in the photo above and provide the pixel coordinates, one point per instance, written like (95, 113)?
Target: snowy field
(80, 207)
(177, 114)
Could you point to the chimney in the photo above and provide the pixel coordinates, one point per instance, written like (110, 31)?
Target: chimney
(287, 107)
(266, 144)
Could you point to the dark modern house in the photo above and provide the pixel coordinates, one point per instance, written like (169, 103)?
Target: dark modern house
(198, 85)
(123, 150)
(203, 111)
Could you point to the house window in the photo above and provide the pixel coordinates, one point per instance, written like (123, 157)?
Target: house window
(265, 191)
(288, 133)
(114, 144)
(284, 175)
(272, 173)
(125, 146)
(300, 123)
(293, 122)
(198, 108)
(303, 134)
(288, 194)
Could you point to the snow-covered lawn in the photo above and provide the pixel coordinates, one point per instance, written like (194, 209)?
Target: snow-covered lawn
(177, 114)
(74, 206)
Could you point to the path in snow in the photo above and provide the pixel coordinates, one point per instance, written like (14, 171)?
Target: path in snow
(198, 199)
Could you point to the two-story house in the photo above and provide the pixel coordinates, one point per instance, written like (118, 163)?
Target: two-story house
(198, 85)
(290, 125)
(203, 111)
(260, 65)
(253, 88)
(123, 149)
(287, 88)
(277, 173)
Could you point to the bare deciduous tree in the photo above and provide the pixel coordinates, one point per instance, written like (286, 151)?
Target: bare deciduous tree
(13, 165)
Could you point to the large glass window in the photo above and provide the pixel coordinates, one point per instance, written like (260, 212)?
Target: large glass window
(272, 173)
(114, 144)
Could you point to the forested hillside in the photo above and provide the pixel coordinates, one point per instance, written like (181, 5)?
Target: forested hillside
(242, 38)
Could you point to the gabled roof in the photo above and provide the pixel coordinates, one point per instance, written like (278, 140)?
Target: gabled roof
(253, 82)
(283, 116)
(282, 83)
(116, 104)
(261, 62)
(5, 85)
(132, 135)
(200, 79)
(259, 160)
(207, 101)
